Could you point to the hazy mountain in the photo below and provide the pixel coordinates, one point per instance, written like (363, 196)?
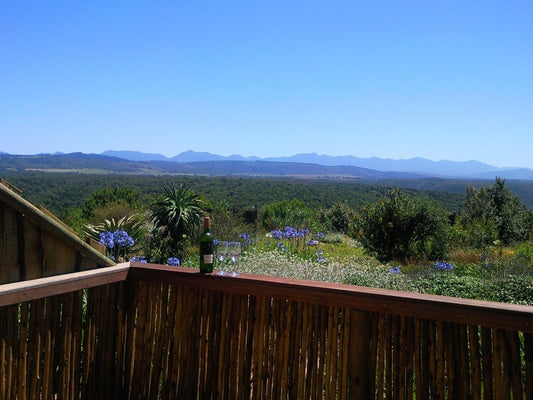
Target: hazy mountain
(193, 156)
(444, 167)
(99, 164)
(414, 166)
(135, 155)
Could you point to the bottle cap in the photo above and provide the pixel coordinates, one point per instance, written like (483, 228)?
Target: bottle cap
(206, 222)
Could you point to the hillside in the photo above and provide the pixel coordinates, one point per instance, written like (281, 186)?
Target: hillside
(96, 163)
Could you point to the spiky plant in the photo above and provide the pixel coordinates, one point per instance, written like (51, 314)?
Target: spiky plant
(131, 224)
(179, 212)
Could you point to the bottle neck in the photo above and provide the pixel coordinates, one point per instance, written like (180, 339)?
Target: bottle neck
(206, 224)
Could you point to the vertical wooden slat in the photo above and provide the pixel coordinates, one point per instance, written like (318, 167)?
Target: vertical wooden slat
(3, 347)
(285, 353)
(514, 369)
(403, 355)
(158, 294)
(168, 361)
(449, 347)
(343, 354)
(222, 350)
(120, 334)
(22, 350)
(344, 348)
(440, 361)
(177, 342)
(358, 374)
(140, 344)
(381, 368)
(248, 362)
(295, 348)
(130, 290)
(35, 347)
(9, 268)
(256, 355)
(243, 381)
(462, 360)
(475, 361)
(427, 343)
(48, 348)
(396, 354)
(500, 389)
(528, 364)
(312, 319)
(486, 348)
(410, 350)
(33, 251)
(304, 353)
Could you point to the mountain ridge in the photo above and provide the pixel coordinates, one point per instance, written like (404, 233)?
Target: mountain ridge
(418, 165)
(192, 162)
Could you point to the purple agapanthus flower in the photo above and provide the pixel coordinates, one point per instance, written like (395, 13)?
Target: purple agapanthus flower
(106, 238)
(246, 237)
(441, 265)
(276, 234)
(173, 261)
(139, 259)
(290, 232)
(122, 239)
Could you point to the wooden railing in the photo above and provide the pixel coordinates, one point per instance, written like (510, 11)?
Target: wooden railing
(170, 333)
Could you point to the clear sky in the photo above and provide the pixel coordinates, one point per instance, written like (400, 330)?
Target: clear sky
(394, 79)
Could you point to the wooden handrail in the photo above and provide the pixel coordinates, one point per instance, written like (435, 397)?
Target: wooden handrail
(433, 307)
(13, 293)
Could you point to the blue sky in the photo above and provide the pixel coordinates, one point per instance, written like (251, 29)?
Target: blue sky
(393, 79)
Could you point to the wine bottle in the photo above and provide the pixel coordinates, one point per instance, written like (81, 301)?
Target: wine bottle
(207, 249)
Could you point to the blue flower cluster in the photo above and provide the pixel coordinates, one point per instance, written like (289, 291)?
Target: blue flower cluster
(320, 256)
(173, 261)
(395, 270)
(299, 242)
(139, 259)
(119, 238)
(289, 233)
(246, 237)
(106, 238)
(441, 265)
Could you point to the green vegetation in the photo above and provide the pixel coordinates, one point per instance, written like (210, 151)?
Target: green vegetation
(402, 228)
(474, 244)
(175, 217)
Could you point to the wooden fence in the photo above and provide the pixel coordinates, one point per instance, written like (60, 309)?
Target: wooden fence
(158, 332)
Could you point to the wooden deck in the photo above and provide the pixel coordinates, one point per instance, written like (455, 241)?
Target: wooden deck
(144, 331)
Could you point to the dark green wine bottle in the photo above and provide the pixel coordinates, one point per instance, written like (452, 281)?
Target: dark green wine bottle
(207, 249)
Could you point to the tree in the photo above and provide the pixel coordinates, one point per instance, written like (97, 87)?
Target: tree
(339, 218)
(111, 203)
(286, 213)
(402, 227)
(177, 215)
(496, 205)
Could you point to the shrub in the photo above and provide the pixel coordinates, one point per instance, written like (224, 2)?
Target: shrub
(522, 258)
(286, 213)
(497, 206)
(402, 228)
(339, 218)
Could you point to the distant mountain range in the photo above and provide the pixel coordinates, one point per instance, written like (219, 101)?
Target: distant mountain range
(299, 165)
(417, 166)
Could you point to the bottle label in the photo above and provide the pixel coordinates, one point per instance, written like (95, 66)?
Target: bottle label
(207, 250)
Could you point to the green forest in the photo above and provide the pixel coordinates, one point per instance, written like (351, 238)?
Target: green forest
(452, 237)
